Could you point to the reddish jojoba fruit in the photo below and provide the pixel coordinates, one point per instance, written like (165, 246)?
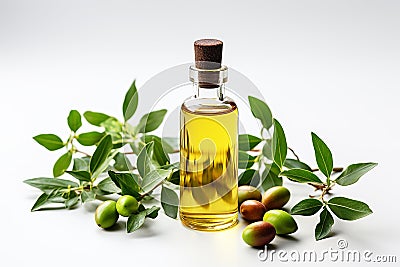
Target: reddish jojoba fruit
(258, 234)
(252, 210)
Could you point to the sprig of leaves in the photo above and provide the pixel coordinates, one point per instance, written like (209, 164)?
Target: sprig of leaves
(274, 164)
(109, 170)
(343, 208)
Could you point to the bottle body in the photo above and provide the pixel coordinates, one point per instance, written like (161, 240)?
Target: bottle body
(209, 160)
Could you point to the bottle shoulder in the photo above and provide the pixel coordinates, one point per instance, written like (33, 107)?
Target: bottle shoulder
(209, 106)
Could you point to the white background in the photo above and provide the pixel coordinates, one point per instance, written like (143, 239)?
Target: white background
(326, 66)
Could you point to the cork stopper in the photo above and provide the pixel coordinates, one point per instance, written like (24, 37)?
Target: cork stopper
(208, 54)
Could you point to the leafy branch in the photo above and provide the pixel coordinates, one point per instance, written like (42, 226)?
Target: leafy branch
(110, 169)
(276, 165)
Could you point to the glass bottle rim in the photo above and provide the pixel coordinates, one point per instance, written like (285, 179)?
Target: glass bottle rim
(212, 76)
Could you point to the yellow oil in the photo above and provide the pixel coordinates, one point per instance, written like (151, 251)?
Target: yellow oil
(208, 159)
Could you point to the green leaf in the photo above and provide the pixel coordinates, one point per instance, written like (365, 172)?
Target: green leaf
(135, 221)
(307, 207)
(71, 202)
(175, 177)
(130, 102)
(74, 120)
(112, 125)
(107, 185)
(122, 163)
(101, 153)
(87, 196)
(273, 168)
(248, 142)
(141, 208)
(127, 182)
(90, 138)
(324, 226)
(45, 199)
(95, 118)
(171, 166)
(81, 164)
(261, 111)
(41, 201)
(245, 160)
(62, 164)
(170, 144)
(50, 141)
(151, 121)
(105, 166)
(249, 177)
(83, 176)
(159, 154)
(301, 176)
(152, 212)
(169, 202)
(267, 149)
(118, 141)
(323, 155)
(144, 162)
(153, 178)
(296, 164)
(354, 172)
(348, 209)
(270, 179)
(279, 146)
(47, 185)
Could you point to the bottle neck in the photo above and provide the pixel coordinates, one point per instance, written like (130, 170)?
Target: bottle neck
(209, 83)
(202, 92)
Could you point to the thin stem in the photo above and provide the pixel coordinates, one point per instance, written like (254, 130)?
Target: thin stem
(69, 189)
(294, 153)
(317, 186)
(84, 153)
(335, 169)
(70, 141)
(324, 192)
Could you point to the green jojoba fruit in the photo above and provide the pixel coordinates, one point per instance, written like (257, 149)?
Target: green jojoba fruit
(276, 197)
(106, 214)
(282, 221)
(126, 205)
(246, 192)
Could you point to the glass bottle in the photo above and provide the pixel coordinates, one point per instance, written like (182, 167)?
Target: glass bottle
(208, 145)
